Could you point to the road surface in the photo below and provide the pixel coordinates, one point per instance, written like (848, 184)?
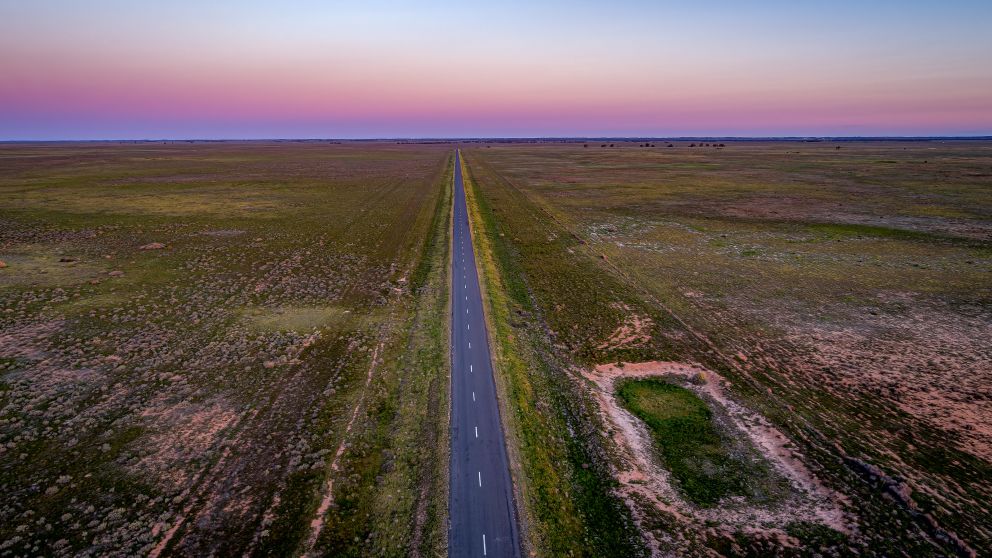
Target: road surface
(482, 517)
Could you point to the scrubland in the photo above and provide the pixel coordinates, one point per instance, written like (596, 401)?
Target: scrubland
(223, 348)
(766, 348)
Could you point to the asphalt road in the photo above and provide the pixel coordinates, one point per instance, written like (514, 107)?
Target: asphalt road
(482, 517)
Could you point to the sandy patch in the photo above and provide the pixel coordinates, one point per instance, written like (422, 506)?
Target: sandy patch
(185, 434)
(633, 332)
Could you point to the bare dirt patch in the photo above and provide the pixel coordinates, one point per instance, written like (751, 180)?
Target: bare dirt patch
(634, 331)
(184, 433)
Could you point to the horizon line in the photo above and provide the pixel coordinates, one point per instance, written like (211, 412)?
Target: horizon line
(450, 139)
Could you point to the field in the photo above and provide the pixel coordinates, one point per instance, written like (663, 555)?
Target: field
(828, 304)
(764, 348)
(223, 348)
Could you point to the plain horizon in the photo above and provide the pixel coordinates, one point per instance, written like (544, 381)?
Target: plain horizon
(499, 139)
(439, 69)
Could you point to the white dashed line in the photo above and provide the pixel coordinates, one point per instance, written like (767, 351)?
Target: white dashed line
(483, 544)
(476, 431)
(470, 368)
(473, 396)
(480, 478)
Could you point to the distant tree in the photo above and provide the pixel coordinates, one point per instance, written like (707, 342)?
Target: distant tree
(671, 145)
(721, 145)
(604, 145)
(611, 145)
(585, 145)
(692, 145)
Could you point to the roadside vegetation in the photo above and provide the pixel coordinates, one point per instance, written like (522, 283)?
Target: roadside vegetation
(564, 491)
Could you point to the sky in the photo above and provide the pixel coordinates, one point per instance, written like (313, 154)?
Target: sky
(117, 69)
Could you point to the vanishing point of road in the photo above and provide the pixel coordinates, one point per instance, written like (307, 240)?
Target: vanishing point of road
(482, 517)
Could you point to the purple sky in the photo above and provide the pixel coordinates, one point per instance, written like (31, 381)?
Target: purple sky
(116, 69)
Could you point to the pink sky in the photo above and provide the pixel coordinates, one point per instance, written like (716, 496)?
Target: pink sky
(134, 72)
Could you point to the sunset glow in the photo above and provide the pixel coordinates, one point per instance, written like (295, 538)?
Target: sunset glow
(107, 69)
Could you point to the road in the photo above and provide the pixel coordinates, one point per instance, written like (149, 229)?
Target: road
(482, 517)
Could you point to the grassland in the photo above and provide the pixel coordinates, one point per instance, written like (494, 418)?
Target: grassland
(769, 348)
(689, 442)
(842, 290)
(223, 348)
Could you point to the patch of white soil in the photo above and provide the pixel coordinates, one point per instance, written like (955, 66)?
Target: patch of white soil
(642, 478)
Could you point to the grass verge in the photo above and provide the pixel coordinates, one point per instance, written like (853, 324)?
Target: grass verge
(563, 490)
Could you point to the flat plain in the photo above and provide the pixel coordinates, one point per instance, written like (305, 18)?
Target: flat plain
(759, 348)
(223, 348)
(748, 348)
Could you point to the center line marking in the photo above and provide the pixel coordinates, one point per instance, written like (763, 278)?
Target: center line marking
(469, 344)
(480, 478)
(483, 544)
(476, 431)
(473, 396)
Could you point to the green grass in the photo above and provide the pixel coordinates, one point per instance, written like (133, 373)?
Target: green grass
(689, 443)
